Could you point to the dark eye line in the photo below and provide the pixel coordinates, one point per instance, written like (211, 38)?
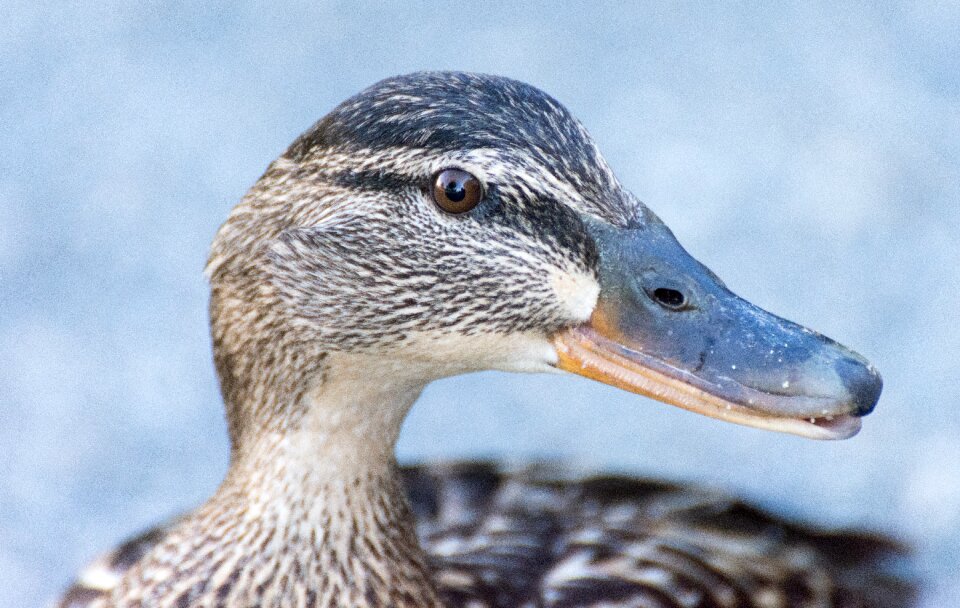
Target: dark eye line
(372, 180)
(380, 180)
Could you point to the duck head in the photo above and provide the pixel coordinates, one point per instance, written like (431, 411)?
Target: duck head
(440, 223)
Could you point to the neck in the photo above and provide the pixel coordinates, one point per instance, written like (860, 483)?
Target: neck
(346, 423)
(317, 506)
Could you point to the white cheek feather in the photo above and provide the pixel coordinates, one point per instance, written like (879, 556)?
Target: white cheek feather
(577, 291)
(436, 355)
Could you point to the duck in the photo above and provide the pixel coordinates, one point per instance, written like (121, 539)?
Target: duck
(440, 223)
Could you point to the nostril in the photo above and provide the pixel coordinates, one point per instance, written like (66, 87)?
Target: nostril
(669, 298)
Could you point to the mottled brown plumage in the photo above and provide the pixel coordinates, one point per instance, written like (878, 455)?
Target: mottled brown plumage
(536, 537)
(339, 290)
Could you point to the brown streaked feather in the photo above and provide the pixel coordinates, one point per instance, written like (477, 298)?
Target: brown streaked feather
(534, 538)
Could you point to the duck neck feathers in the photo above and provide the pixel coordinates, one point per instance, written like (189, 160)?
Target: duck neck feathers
(312, 512)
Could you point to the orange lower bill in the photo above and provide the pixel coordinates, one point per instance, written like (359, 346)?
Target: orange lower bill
(583, 351)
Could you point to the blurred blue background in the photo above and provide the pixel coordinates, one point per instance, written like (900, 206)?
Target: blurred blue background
(809, 154)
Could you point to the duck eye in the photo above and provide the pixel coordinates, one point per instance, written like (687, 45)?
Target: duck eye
(456, 191)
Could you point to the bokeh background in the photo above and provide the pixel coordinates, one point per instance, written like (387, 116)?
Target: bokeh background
(809, 154)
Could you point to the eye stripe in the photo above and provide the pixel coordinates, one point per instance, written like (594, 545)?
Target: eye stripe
(365, 179)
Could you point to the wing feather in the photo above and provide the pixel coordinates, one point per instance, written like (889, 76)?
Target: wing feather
(535, 538)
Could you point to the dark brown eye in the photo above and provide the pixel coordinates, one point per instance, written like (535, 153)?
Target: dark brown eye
(456, 191)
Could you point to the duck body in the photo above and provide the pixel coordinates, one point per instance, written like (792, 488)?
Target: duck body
(440, 223)
(537, 537)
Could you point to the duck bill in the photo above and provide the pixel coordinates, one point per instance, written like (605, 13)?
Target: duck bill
(667, 328)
